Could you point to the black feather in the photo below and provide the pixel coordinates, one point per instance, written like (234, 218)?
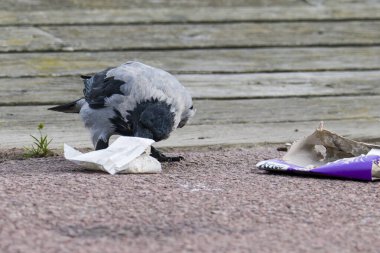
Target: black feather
(84, 77)
(71, 107)
(99, 87)
(122, 126)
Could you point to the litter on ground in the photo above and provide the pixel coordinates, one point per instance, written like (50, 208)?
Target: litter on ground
(124, 155)
(326, 153)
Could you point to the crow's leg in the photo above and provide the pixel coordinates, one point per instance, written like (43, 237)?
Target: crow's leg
(163, 158)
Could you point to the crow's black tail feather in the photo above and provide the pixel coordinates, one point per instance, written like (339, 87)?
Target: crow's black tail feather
(72, 107)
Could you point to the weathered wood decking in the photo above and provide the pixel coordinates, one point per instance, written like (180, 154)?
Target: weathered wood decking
(260, 71)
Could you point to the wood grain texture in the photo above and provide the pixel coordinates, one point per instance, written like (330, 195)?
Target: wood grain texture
(195, 61)
(276, 85)
(107, 38)
(285, 109)
(27, 39)
(223, 14)
(56, 90)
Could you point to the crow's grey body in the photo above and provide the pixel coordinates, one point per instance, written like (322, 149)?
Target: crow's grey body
(133, 99)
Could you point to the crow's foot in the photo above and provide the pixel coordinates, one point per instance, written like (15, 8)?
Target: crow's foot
(163, 158)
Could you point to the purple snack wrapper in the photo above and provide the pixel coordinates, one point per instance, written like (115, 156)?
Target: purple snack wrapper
(325, 153)
(364, 167)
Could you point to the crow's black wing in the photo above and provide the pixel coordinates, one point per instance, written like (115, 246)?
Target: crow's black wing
(98, 87)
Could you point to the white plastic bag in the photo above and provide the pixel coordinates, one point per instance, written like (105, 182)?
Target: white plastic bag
(124, 155)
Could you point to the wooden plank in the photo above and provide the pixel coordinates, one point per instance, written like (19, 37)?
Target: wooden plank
(27, 39)
(216, 122)
(204, 135)
(274, 85)
(31, 91)
(285, 110)
(232, 111)
(267, 133)
(50, 90)
(195, 61)
(28, 5)
(97, 38)
(343, 11)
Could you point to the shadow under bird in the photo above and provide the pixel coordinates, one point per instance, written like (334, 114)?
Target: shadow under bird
(132, 99)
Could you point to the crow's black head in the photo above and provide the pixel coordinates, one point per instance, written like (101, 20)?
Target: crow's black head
(152, 119)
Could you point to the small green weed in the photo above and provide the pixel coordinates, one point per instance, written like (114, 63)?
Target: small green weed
(40, 146)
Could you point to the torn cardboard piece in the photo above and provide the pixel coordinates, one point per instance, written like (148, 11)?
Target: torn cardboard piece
(124, 155)
(329, 154)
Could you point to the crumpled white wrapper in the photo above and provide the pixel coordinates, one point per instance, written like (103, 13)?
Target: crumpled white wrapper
(323, 147)
(124, 155)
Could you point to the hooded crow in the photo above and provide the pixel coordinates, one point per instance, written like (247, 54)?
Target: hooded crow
(132, 99)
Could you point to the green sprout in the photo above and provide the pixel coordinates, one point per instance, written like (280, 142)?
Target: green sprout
(40, 146)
